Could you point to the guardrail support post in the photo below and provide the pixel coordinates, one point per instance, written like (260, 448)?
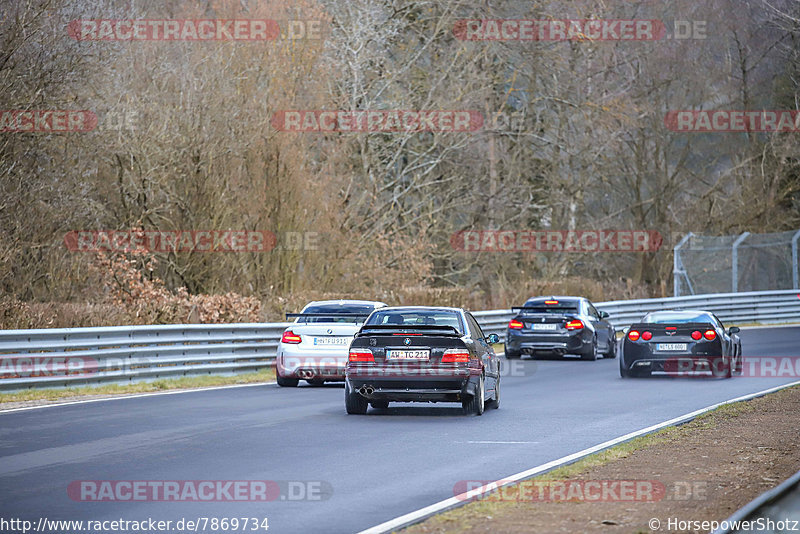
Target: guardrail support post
(735, 261)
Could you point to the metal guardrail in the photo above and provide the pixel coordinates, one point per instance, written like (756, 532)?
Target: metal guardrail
(763, 307)
(62, 357)
(777, 504)
(121, 354)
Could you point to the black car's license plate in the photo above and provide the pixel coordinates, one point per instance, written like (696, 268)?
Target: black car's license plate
(423, 355)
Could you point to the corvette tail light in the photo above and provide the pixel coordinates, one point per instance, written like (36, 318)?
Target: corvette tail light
(710, 335)
(633, 335)
(291, 338)
(696, 335)
(361, 355)
(647, 336)
(516, 325)
(573, 325)
(455, 355)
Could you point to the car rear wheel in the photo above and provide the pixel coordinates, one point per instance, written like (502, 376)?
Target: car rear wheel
(354, 403)
(495, 402)
(512, 355)
(612, 349)
(722, 368)
(287, 382)
(591, 354)
(476, 404)
(624, 373)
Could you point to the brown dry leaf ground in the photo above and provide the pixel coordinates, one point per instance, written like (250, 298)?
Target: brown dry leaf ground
(710, 468)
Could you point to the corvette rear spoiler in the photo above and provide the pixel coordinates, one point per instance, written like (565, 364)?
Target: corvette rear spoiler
(401, 329)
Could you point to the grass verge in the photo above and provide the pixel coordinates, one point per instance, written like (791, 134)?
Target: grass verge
(186, 382)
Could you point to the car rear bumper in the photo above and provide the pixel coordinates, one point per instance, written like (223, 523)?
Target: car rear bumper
(413, 385)
(527, 343)
(678, 364)
(309, 367)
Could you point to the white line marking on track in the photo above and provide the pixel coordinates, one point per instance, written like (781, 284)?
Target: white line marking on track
(453, 502)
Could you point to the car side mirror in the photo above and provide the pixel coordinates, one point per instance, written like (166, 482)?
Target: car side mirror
(604, 314)
(734, 330)
(492, 339)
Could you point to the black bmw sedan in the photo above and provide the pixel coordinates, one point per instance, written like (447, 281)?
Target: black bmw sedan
(422, 354)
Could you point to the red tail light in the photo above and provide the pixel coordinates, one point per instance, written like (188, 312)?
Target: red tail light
(574, 325)
(633, 335)
(551, 302)
(710, 335)
(291, 338)
(647, 336)
(455, 355)
(516, 325)
(361, 355)
(696, 335)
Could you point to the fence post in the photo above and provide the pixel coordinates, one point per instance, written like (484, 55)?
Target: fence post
(795, 282)
(677, 267)
(735, 261)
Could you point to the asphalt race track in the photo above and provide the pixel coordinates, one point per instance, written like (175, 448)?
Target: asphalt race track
(378, 466)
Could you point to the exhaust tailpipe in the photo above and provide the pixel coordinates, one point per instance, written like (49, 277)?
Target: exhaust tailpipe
(366, 390)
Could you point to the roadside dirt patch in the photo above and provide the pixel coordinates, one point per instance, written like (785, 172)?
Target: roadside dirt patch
(704, 470)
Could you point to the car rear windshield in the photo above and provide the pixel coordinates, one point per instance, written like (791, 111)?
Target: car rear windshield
(417, 317)
(676, 317)
(540, 306)
(335, 310)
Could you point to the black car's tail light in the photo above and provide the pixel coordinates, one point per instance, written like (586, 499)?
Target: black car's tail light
(515, 325)
(647, 336)
(291, 338)
(696, 335)
(455, 355)
(633, 335)
(574, 325)
(710, 335)
(361, 355)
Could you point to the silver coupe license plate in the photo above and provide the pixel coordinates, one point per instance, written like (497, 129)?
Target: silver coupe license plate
(331, 341)
(423, 355)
